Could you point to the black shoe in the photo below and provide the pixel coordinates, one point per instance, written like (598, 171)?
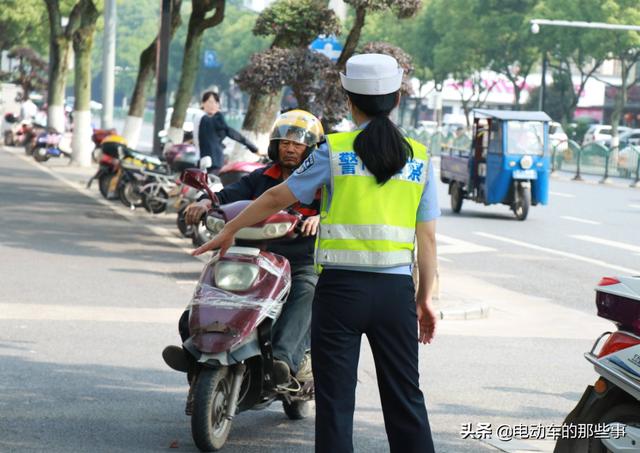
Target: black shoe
(281, 372)
(176, 358)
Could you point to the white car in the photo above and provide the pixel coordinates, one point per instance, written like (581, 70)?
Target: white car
(600, 133)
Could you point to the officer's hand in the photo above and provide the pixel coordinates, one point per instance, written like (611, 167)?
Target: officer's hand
(222, 241)
(195, 211)
(427, 320)
(310, 225)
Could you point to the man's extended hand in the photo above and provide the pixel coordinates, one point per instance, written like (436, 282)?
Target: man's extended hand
(427, 320)
(195, 211)
(310, 225)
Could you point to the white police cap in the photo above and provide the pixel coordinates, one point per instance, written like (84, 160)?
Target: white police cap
(372, 73)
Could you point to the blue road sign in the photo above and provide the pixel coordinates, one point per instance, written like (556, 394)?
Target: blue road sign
(327, 45)
(210, 59)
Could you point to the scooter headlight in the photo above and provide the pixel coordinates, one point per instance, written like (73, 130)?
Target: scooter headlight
(233, 276)
(274, 230)
(214, 224)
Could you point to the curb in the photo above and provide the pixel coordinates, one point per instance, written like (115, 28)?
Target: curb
(464, 311)
(595, 182)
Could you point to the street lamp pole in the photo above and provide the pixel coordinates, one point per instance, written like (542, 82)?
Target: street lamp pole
(543, 82)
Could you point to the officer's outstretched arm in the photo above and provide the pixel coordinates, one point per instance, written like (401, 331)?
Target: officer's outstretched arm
(270, 202)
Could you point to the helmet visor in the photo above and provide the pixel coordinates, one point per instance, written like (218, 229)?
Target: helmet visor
(295, 134)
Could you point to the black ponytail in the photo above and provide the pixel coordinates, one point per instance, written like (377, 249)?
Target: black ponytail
(381, 146)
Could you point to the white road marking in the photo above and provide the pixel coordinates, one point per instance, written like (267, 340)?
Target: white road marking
(579, 220)
(187, 282)
(615, 244)
(572, 256)
(52, 312)
(453, 246)
(635, 206)
(562, 194)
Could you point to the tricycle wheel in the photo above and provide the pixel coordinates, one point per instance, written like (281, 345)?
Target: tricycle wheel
(456, 197)
(522, 202)
(209, 423)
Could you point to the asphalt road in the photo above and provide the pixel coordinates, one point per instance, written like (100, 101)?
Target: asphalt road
(560, 252)
(89, 296)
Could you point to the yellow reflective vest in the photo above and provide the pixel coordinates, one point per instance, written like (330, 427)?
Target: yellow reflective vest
(368, 224)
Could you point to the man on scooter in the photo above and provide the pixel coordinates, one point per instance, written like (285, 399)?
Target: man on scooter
(294, 136)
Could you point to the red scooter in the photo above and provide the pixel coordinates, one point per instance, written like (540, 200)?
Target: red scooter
(232, 172)
(610, 408)
(237, 300)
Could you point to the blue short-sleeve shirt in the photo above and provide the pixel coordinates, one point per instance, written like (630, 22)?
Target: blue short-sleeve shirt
(315, 172)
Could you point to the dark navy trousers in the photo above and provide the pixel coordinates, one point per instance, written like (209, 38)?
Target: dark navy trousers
(346, 305)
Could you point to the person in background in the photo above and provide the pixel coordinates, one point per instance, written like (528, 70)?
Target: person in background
(28, 110)
(213, 129)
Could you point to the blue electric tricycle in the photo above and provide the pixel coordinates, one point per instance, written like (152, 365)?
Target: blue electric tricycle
(508, 161)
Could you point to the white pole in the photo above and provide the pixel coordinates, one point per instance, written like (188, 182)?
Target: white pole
(109, 63)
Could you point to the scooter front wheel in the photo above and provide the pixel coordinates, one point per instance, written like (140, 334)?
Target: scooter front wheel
(209, 423)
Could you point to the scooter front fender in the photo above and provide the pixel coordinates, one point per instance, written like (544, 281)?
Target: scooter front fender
(244, 350)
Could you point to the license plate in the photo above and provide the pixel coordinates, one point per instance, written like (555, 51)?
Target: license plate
(525, 174)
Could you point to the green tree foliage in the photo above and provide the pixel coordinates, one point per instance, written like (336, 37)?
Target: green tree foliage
(570, 50)
(31, 71)
(293, 25)
(24, 24)
(233, 43)
(624, 47)
(506, 42)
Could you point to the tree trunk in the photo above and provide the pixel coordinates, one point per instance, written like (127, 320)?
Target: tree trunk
(354, 36)
(59, 50)
(81, 144)
(146, 74)
(616, 115)
(261, 112)
(516, 95)
(190, 65)
(198, 23)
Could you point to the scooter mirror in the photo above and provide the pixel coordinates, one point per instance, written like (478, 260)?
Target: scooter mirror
(193, 177)
(198, 179)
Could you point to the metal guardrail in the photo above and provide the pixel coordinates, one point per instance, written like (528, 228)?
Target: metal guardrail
(595, 158)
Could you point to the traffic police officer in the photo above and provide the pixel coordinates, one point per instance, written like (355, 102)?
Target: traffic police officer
(378, 196)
